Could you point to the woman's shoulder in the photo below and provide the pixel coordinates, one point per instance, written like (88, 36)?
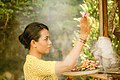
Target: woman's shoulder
(35, 61)
(37, 65)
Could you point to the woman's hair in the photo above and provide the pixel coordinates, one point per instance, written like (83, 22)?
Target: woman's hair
(31, 32)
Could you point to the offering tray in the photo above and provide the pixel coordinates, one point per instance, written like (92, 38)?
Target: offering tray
(79, 73)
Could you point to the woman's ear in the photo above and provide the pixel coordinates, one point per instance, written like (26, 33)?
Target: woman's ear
(33, 43)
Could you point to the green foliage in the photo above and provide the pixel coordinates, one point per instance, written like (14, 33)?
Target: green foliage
(9, 9)
(91, 7)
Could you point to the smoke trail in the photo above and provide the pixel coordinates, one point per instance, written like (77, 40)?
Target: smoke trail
(58, 16)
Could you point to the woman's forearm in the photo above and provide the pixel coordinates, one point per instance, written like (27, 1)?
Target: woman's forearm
(70, 60)
(72, 57)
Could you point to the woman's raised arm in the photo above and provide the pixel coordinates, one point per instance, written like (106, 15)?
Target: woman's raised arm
(71, 58)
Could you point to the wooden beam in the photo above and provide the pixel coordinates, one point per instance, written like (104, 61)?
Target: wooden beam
(99, 76)
(103, 18)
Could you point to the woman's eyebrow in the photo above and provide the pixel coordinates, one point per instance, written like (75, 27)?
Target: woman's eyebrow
(46, 36)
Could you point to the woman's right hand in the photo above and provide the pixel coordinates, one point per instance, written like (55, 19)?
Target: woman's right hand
(84, 28)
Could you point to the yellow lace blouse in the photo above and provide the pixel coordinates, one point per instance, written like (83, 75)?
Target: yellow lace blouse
(36, 69)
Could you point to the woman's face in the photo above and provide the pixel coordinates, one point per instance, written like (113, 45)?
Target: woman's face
(43, 44)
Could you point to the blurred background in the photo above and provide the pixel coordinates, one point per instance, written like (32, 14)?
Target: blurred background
(16, 14)
(61, 18)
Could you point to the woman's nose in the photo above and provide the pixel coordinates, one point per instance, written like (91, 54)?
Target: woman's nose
(50, 42)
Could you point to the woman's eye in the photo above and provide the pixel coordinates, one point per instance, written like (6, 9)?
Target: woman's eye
(46, 38)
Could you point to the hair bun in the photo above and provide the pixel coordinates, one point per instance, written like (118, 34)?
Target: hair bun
(23, 41)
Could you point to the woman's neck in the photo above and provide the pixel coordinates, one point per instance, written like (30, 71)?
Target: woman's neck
(33, 53)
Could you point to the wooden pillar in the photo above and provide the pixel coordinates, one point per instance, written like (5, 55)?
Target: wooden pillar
(103, 18)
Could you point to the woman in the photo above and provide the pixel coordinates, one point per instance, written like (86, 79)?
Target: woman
(36, 38)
